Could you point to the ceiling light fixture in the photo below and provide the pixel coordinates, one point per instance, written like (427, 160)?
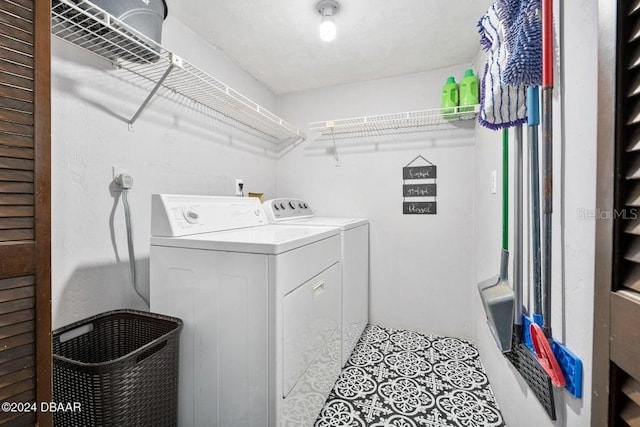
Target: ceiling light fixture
(327, 9)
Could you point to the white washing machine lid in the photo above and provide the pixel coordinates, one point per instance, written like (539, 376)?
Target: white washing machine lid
(342, 223)
(265, 239)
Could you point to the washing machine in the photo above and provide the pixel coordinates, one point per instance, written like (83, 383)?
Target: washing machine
(354, 237)
(261, 306)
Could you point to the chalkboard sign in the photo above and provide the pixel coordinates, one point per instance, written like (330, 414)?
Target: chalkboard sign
(419, 172)
(419, 190)
(419, 208)
(419, 183)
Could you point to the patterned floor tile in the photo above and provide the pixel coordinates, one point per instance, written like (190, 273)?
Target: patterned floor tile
(398, 378)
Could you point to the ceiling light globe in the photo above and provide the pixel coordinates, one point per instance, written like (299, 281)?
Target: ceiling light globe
(327, 29)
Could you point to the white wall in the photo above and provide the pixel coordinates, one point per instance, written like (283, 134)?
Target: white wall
(421, 265)
(173, 149)
(573, 244)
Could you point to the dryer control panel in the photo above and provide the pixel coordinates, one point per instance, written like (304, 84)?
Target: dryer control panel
(182, 215)
(286, 209)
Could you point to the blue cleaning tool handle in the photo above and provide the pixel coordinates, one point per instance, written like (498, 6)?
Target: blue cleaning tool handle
(533, 106)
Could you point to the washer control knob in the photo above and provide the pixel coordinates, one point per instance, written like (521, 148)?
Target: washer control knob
(191, 215)
(300, 205)
(275, 206)
(306, 206)
(282, 206)
(292, 205)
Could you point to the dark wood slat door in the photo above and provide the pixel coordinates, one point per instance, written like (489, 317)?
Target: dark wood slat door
(621, 318)
(25, 248)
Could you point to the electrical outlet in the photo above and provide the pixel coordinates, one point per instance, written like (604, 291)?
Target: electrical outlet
(239, 187)
(494, 182)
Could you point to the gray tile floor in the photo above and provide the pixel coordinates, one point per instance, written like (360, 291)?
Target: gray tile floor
(398, 378)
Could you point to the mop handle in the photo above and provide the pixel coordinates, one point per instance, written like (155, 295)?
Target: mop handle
(505, 189)
(547, 139)
(547, 43)
(518, 276)
(533, 113)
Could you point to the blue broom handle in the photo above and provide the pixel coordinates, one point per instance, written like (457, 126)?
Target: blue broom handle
(533, 106)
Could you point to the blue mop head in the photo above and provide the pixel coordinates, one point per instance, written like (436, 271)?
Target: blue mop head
(501, 105)
(523, 37)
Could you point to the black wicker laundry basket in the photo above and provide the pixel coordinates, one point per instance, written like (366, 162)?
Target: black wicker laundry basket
(121, 367)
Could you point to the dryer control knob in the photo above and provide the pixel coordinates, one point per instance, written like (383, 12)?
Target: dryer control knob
(300, 205)
(191, 216)
(282, 206)
(292, 205)
(275, 206)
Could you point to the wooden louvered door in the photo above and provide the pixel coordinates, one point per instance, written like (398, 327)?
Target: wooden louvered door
(616, 378)
(25, 283)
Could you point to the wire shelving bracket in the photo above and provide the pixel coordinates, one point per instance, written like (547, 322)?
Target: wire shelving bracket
(89, 27)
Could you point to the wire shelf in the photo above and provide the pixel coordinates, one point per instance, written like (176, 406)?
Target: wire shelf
(413, 119)
(85, 25)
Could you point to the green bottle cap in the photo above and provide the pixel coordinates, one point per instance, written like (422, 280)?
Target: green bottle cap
(451, 79)
(468, 73)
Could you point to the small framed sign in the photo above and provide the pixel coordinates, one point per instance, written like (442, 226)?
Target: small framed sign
(419, 172)
(419, 208)
(419, 188)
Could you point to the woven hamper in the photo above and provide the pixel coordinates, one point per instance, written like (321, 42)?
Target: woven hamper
(121, 366)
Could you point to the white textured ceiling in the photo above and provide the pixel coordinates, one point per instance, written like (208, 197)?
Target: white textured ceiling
(277, 41)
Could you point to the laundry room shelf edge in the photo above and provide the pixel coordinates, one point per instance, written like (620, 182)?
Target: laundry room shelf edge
(386, 122)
